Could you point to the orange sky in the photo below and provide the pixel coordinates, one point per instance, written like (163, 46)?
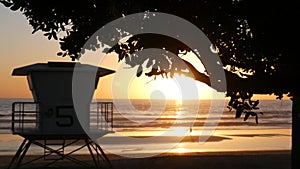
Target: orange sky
(19, 48)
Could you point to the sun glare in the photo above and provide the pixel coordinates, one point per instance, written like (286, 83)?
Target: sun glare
(178, 131)
(179, 88)
(180, 150)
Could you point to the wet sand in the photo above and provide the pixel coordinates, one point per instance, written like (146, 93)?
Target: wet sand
(203, 160)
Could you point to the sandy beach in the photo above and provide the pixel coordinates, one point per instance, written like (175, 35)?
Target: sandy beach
(234, 144)
(207, 160)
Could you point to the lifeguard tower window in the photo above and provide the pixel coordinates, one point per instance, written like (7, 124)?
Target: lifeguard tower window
(26, 118)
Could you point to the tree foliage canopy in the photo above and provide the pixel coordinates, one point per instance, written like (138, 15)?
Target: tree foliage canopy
(251, 36)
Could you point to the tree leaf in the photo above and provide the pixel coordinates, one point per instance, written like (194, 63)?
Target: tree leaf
(105, 50)
(35, 30)
(121, 56)
(6, 4)
(59, 54)
(139, 71)
(127, 59)
(238, 112)
(49, 36)
(246, 116)
(149, 63)
(54, 35)
(14, 7)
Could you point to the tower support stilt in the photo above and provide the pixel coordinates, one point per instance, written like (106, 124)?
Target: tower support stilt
(56, 153)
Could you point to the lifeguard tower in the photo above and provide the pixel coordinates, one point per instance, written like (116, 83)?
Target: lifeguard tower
(50, 122)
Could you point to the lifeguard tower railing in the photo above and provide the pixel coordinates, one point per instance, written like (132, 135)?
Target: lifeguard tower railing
(25, 117)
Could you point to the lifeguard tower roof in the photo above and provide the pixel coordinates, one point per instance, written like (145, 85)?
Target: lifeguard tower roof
(60, 67)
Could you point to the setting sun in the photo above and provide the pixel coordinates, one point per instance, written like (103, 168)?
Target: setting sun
(177, 88)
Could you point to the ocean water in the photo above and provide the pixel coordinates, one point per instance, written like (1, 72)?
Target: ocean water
(148, 127)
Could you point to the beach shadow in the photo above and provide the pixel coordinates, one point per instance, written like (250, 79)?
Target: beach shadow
(257, 135)
(210, 139)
